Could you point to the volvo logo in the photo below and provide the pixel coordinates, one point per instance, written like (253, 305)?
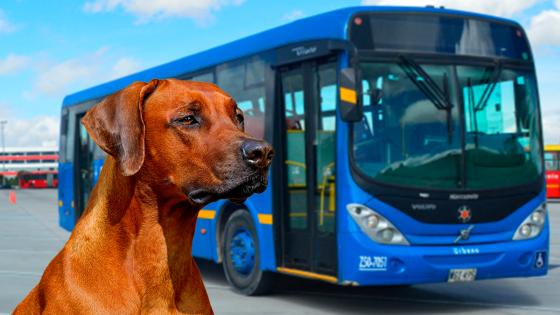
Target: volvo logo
(465, 214)
(464, 234)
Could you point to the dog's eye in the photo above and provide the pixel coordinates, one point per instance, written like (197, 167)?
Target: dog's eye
(188, 120)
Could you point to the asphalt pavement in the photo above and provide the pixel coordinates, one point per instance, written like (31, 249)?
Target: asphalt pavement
(30, 237)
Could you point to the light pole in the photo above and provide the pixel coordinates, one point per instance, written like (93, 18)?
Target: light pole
(2, 126)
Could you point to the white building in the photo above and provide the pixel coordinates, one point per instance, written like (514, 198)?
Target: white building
(15, 159)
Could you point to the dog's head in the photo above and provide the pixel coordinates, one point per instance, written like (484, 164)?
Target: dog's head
(188, 135)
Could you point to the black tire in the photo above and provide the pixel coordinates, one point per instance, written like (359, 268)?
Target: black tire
(254, 281)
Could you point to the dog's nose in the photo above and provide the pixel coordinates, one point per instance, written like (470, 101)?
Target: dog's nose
(257, 153)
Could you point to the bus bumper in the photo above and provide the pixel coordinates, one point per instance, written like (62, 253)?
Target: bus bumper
(396, 265)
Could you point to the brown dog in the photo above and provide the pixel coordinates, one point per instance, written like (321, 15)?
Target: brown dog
(173, 147)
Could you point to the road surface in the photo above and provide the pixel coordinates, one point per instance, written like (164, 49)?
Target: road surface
(30, 237)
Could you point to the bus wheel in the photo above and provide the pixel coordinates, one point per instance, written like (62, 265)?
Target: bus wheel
(241, 257)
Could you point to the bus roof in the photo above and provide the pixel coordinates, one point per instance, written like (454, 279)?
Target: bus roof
(329, 25)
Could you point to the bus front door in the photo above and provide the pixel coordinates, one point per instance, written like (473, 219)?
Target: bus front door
(84, 168)
(308, 155)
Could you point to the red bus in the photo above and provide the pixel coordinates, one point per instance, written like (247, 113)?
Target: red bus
(552, 165)
(38, 179)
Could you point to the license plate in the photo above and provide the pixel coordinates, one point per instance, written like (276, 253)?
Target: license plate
(461, 275)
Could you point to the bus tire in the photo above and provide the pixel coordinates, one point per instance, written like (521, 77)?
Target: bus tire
(241, 256)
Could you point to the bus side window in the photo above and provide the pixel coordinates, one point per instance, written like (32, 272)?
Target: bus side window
(70, 137)
(326, 146)
(204, 77)
(98, 159)
(63, 135)
(245, 83)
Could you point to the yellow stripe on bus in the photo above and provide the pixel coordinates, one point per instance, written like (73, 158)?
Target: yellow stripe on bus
(552, 185)
(552, 147)
(348, 95)
(265, 218)
(207, 214)
(295, 163)
(307, 274)
(211, 214)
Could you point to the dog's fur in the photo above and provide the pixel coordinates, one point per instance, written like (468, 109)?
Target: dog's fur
(130, 253)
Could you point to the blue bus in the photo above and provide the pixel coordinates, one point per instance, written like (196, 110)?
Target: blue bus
(409, 150)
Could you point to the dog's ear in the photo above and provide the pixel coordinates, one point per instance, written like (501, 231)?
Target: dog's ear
(117, 126)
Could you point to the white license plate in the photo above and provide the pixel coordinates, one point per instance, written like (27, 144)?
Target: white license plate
(461, 275)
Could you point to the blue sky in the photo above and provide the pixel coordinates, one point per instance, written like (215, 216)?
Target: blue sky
(51, 48)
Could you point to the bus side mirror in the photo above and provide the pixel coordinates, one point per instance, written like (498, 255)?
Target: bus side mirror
(350, 105)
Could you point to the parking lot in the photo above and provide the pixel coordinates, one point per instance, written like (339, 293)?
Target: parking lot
(30, 237)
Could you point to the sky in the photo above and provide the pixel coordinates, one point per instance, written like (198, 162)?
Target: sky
(49, 49)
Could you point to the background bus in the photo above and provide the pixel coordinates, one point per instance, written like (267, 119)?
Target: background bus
(552, 160)
(409, 150)
(37, 179)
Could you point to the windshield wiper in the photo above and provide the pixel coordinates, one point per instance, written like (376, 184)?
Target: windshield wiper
(426, 84)
(491, 85)
(491, 82)
(471, 102)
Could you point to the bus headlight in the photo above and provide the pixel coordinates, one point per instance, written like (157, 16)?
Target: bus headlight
(377, 227)
(532, 226)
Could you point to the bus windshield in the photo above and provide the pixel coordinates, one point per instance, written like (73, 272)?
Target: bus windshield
(486, 135)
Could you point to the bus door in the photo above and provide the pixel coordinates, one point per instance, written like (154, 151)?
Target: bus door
(308, 97)
(84, 167)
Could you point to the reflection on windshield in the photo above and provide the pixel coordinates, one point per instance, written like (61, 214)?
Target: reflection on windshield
(404, 139)
(403, 131)
(501, 127)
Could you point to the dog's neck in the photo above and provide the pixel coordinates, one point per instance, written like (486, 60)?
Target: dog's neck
(156, 224)
(119, 199)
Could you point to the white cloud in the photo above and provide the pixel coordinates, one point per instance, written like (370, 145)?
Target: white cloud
(37, 131)
(125, 66)
(5, 25)
(58, 79)
(60, 76)
(293, 15)
(506, 8)
(544, 28)
(146, 10)
(13, 63)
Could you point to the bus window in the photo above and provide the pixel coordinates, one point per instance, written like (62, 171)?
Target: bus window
(498, 116)
(204, 77)
(63, 135)
(245, 83)
(85, 155)
(70, 132)
(551, 161)
(296, 159)
(325, 153)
